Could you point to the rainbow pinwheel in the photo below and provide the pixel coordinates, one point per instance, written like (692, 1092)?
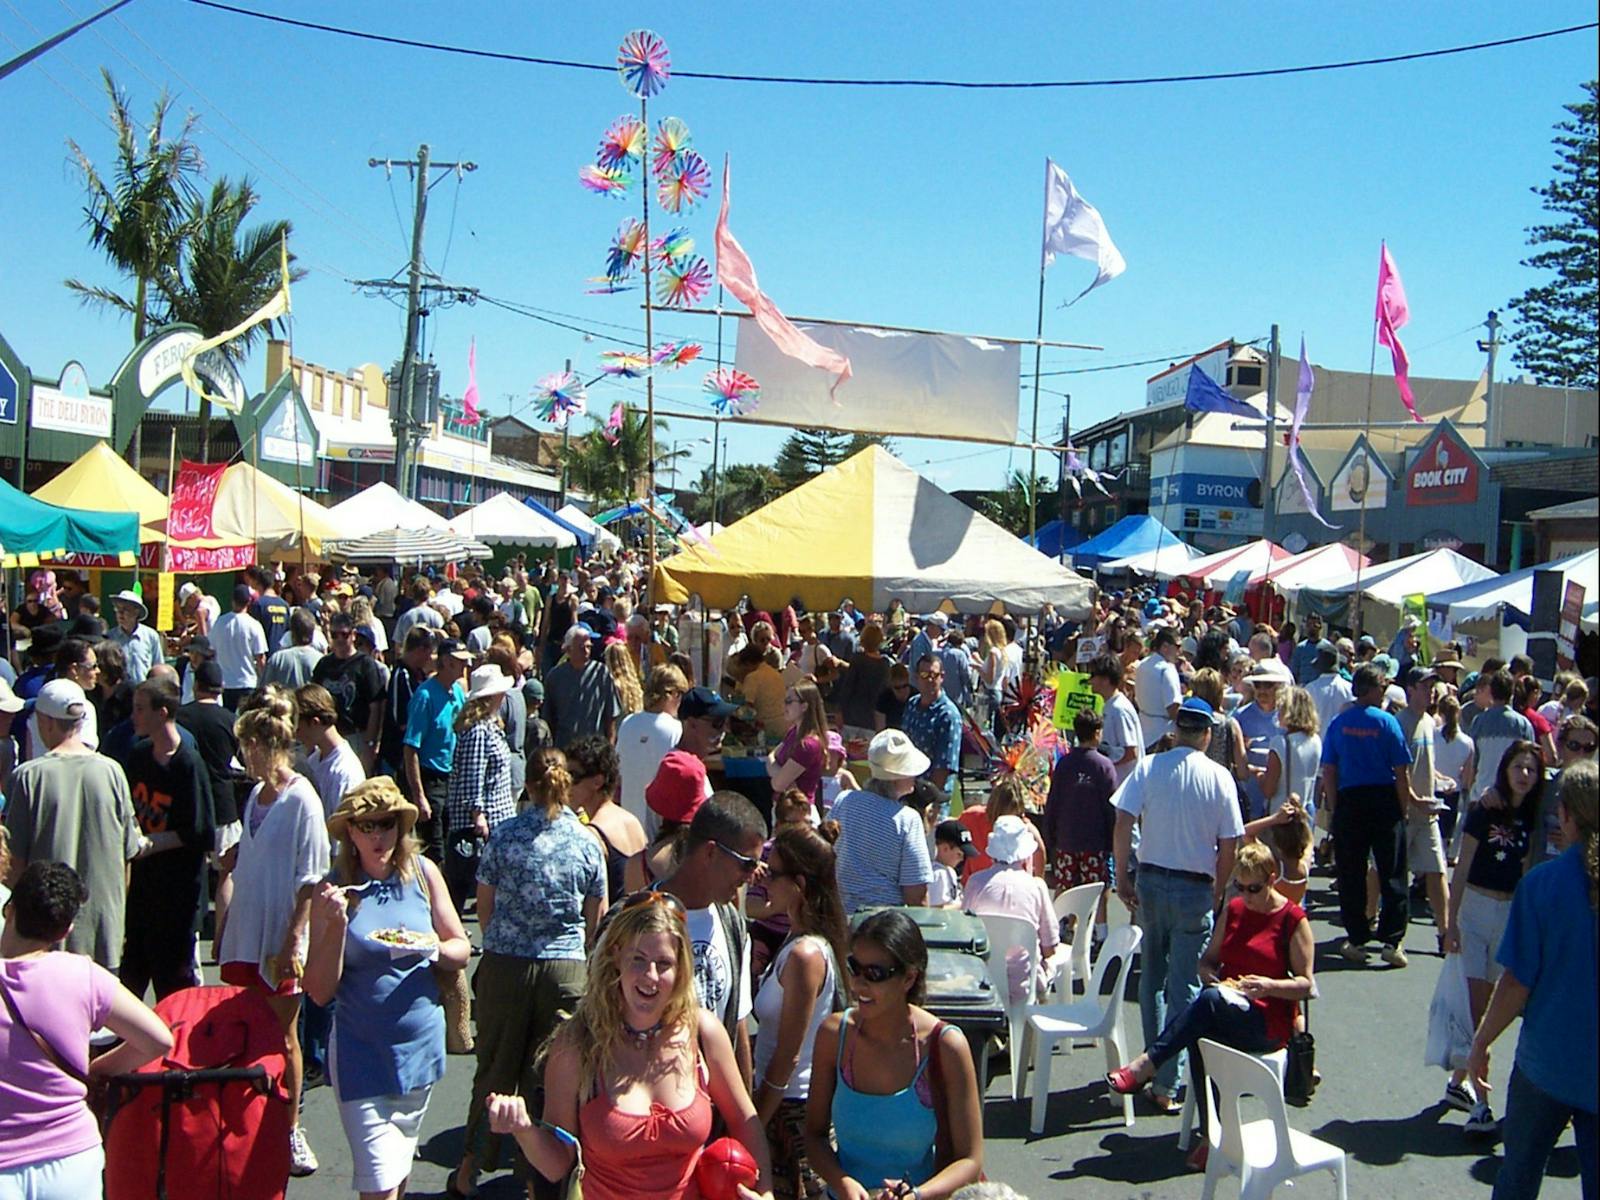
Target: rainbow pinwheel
(643, 63)
(685, 183)
(733, 393)
(624, 364)
(671, 246)
(608, 181)
(683, 284)
(623, 144)
(626, 249)
(672, 139)
(613, 426)
(560, 396)
(607, 286)
(673, 355)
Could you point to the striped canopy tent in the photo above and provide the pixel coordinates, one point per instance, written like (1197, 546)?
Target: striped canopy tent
(407, 546)
(1315, 568)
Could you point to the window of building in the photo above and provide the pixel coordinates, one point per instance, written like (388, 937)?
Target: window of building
(1244, 375)
(1117, 454)
(1097, 455)
(336, 391)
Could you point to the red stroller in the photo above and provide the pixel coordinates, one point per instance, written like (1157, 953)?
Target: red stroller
(212, 1118)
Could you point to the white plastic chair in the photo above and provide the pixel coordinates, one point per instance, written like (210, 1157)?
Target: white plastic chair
(1264, 1152)
(1094, 1017)
(1080, 903)
(1277, 1061)
(1007, 934)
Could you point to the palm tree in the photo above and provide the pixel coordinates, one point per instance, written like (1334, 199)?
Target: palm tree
(227, 271)
(1010, 508)
(615, 472)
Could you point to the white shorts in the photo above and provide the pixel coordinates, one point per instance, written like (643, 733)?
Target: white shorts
(1424, 845)
(71, 1178)
(227, 837)
(1482, 920)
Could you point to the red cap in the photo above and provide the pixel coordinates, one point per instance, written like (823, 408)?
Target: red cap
(679, 788)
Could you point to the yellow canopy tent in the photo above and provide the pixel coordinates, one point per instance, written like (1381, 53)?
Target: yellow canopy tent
(102, 481)
(872, 529)
(253, 508)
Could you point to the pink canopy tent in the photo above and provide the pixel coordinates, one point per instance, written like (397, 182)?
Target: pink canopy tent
(1215, 570)
(1319, 567)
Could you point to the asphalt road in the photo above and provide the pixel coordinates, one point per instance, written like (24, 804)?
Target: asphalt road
(1377, 1102)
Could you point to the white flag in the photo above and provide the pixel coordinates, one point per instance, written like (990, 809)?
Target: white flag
(1074, 226)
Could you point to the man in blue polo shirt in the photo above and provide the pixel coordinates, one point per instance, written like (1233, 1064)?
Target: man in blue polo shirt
(429, 748)
(933, 723)
(1366, 765)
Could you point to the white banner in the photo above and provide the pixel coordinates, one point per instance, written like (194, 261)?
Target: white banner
(911, 384)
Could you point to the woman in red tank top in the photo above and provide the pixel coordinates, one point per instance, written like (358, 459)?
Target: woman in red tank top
(1256, 971)
(637, 1071)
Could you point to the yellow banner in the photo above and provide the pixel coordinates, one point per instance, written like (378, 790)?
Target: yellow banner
(1073, 694)
(277, 306)
(166, 583)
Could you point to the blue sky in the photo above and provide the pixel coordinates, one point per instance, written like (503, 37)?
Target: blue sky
(1235, 203)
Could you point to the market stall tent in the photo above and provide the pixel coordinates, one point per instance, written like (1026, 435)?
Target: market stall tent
(1215, 570)
(1426, 573)
(1166, 562)
(1055, 538)
(1134, 534)
(381, 507)
(407, 546)
(503, 520)
(31, 529)
(604, 539)
(871, 529)
(1314, 568)
(102, 481)
(1511, 596)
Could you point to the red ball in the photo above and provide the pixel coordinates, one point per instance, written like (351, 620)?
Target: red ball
(723, 1165)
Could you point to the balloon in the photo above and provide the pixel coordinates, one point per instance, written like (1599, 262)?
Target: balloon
(723, 1165)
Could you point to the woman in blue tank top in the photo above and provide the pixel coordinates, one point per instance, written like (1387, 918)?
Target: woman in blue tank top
(377, 928)
(901, 1103)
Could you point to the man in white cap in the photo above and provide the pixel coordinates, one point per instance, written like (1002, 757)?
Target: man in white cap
(141, 646)
(883, 848)
(199, 607)
(1269, 682)
(73, 806)
(927, 640)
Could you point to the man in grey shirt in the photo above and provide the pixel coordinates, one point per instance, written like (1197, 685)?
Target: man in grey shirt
(292, 666)
(580, 696)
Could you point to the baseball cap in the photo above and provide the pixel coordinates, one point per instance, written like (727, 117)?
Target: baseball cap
(1414, 675)
(202, 644)
(10, 702)
(454, 648)
(1195, 713)
(703, 702)
(63, 700)
(532, 690)
(679, 788)
(187, 590)
(1368, 640)
(954, 833)
(208, 675)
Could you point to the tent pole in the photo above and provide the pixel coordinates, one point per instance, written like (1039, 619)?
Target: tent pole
(1033, 436)
(172, 477)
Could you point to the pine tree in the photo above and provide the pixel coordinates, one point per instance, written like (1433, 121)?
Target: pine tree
(806, 453)
(1558, 337)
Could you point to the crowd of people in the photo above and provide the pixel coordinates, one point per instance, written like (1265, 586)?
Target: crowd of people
(342, 772)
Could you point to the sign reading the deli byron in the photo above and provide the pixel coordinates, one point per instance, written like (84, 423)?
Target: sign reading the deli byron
(69, 407)
(1446, 472)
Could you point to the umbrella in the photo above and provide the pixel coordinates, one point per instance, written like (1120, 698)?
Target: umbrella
(407, 545)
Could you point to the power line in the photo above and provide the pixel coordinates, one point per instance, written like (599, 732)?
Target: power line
(966, 84)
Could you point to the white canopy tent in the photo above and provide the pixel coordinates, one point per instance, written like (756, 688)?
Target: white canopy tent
(604, 539)
(503, 520)
(1515, 591)
(380, 507)
(1431, 571)
(1165, 562)
(1315, 568)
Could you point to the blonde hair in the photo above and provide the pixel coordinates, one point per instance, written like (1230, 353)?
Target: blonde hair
(360, 610)
(407, 848)
(268, 722)
(1298, 712)
(619, 662)
(549, 783)
(1208, 685)
(1293, 837)
(475, 711)
(994, 635)
(1006, 799)
(1255, 860)
(598, 1028)
(663, 680)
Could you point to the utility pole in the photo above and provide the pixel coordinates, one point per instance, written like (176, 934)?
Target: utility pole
(1268, 499)
(400, 416)
(1492, 432)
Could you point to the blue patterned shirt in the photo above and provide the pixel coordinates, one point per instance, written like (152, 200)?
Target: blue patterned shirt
(542, 870)
(935, 729)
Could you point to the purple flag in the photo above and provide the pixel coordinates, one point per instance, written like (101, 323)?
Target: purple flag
(1302, 402)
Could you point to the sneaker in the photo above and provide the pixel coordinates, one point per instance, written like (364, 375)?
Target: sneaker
(1395, 956)
(1459, 1097)
(1350, 951)
(1481, 1122)
(301, 1161)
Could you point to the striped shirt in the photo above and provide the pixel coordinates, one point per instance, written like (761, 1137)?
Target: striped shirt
(882, 848)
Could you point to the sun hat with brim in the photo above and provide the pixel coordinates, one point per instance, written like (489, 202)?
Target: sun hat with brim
(1447, 664)
(679, 788)
(1386, 664)
(835, 742)
(892, 756)
(1011, 841)
(133, 598)
(10, 702)
(1270, 670)
(372, 801)
(488, 680)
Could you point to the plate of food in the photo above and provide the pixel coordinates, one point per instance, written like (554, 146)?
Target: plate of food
(407, 943)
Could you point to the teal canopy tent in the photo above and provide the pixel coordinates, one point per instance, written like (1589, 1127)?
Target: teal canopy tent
(32, 527)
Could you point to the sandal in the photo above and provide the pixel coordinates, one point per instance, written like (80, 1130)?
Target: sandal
(1123, 1081)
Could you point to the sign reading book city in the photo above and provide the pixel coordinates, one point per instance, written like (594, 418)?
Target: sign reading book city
(1446, 472)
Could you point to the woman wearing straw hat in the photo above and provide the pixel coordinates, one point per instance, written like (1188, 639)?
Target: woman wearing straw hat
(377, 926)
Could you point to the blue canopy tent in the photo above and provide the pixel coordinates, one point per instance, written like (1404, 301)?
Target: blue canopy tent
(1135, 534)
(30, 527)
(1055, 538)
(585, 538)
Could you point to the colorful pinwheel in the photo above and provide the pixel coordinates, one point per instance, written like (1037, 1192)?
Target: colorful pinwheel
(672, 139)
(626, 249)
(683, 284)
(613, 426)
(672, 246)
(623, 144)
(560, 396)
(643, 63)
(624, 364)
(733, 393)
(608, 181)
(673, 355)
(607, 286)
(685, 183)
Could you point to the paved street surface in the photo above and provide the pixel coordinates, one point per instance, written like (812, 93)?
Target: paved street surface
(1377, 1102)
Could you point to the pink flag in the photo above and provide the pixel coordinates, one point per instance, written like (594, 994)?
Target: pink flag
(1392, 314)
(738, 275)
(469, 398)
(613, 427)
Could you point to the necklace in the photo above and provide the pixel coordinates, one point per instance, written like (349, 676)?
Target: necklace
(641, 1037)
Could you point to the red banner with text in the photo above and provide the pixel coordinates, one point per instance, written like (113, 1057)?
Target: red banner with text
(194, 494)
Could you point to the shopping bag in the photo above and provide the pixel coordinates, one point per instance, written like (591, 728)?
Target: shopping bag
(1449, 1018)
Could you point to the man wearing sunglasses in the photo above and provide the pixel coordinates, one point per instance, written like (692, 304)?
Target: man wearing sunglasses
(1577, 741)
(721, 856)
(933, 723)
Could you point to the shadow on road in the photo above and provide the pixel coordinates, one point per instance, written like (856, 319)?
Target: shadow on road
(1126, 1158)
(1385, 1142)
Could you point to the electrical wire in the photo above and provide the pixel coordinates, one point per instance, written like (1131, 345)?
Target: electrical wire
(968, 84)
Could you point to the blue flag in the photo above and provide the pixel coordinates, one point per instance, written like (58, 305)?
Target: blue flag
(1205, 395)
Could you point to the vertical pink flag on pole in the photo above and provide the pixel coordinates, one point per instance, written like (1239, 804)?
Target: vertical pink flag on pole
(1392, 314)
(469, 398)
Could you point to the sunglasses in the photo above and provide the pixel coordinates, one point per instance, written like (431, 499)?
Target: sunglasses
(378, 825)
(1252, 889)
(871, 972)
(746, 863)
(930, 674)
(664, 899)
(1580, 747)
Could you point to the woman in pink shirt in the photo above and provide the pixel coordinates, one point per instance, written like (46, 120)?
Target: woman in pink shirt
(49, 1140)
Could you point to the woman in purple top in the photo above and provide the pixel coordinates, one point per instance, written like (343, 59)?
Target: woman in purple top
(49, 1140)
(799, 758)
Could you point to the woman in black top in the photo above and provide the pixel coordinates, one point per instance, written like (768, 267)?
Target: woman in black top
(592, 763)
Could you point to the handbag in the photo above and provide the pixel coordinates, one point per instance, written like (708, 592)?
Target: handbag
(1300, 1072)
